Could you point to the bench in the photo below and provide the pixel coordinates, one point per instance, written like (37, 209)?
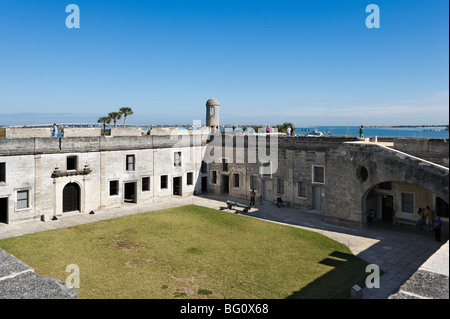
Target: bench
(230, 205)
(399, 220)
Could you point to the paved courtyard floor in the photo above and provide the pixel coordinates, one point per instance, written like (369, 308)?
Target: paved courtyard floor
(398, 251)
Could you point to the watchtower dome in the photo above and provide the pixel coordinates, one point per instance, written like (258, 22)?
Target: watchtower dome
(212, 112)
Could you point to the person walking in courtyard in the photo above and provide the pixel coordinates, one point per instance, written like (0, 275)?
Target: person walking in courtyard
(437, 229)
(429, 218)
(252, 198)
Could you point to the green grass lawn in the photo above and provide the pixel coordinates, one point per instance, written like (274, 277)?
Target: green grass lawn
(192, 252)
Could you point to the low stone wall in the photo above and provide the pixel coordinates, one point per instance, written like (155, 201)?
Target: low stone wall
(435, 150)
(134, 131)
(81, 132)
(25, 132)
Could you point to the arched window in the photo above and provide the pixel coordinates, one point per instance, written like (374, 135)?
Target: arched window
(212, 110)
(71, 197)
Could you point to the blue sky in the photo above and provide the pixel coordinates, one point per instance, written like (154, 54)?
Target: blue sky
(307, 62)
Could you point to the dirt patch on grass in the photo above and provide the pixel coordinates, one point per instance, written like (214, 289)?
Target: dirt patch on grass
(127, 244)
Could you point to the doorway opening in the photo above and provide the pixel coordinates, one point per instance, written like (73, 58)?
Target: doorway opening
(177, 186)
(204, 184)
(387, 208)
(4, 210)
(71, 197)
(130, 192)
(441, 207)
(225, 184)
(318, 198)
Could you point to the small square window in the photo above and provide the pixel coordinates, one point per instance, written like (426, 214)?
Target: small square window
(319, 174)
(177, 159)
(131, 163)
(280, 186)
(204, 168)
(236, 180)
(407, 203)
(266, 169)
(224, 165)
(23, 199)
(253, 182)
(164, 182)
(113, 188)
(145, 184)
(190, 178)
(3, 172)
(301, 189)
(72, 163)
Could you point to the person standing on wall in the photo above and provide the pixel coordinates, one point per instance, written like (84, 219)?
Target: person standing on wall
(54, 130)
(361, 131)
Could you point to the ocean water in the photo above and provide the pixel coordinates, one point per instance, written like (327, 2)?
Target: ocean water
(434, 132)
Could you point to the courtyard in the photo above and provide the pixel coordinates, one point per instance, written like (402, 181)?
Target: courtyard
(398, 252)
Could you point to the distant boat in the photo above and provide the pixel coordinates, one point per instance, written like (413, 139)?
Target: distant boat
(314, 133)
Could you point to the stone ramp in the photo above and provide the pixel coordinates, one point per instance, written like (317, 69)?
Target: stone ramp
(19, 281)
(430, 281)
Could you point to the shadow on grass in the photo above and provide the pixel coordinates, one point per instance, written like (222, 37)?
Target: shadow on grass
(347, 271)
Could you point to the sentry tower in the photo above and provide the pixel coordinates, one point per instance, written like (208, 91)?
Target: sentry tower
(212, 112)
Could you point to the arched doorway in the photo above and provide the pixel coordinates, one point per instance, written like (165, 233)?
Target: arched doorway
(393, 200)
(71, 198)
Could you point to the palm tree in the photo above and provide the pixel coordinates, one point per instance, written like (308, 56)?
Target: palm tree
(115, 116)
(125, 111)
(105, 120)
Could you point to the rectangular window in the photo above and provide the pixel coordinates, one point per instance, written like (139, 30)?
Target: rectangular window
(72, 163)
(253, 182)
(113, 188)
(301, 189)
(164, 182)
(131, 163)
(177, 159)
(214, 177)
(204, 168)
(3, 172)
(318, 174)
(224, 165)
(266, 169)
(236, 180)
(407, 203)
(190, 178)
(23, 199)
(145, 184)
(280, 186)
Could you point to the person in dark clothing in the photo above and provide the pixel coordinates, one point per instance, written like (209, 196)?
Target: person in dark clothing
(252, 197)
(437, 229)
